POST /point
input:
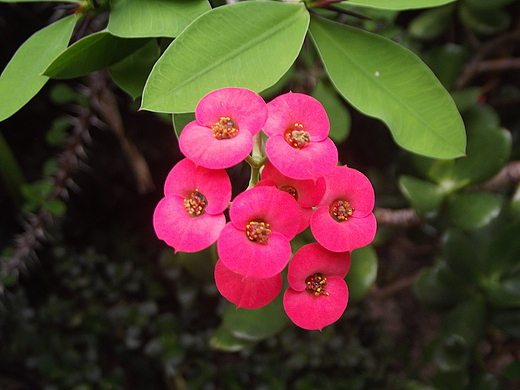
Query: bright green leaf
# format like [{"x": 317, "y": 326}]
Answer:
[
  {"x": 363, "y": 272},
  {"x": 473, "y": 210},
  {"x": 94, "y": 52},
  {"x": 399, "y": 4},
  {"x": 338, "y": 114},
  {"x": 248, "y": 44},
  {"x": 256, "y": 324},
  {"x": 34, "y": 1},
  {"x": 153, "y": 18},
  {"x": 424, "y": 196},
  {"x": 384, "y": 80},
  {"x": 131, "y": 73},
  {"x": 21, "y": 78}
]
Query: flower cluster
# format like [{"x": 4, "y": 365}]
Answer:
[{"x": 295, "y": 186}]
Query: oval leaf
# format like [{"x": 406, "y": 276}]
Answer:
[
  {"x": 207, "y": 56},
  {"x": 153, "y": 18},
  {"x": 473, "y": 210},
  {"x": 362, "y": 273},
  {"x": 21, "y": 79},
  {"x": 431, "y": 24},
  {"x": 399, "y": 4},
  {"x": 424, "y": 196},
  {"x": 384, "y": 80},
  {"x": 94, "y": 52}
]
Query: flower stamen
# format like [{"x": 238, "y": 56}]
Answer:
[
  {"x": 258, "y": 231},
  {"x": 340, "y": 210},
  {"x": 225, "y": 128},
  {"x": 290, "y": 190},
  {"x": 316, "y": 284},
  {"x": 296, "y": 136},
  {"x": 195, "y": 204}
]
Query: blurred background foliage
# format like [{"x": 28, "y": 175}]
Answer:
[{"x": 91, "y": 299}]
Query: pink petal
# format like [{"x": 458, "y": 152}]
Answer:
[
  {"x": 290, "y": 108},
  {"x": 184, "y": 233},
  {"x": 185, "y": 177},
  {"x": 314, "y": 160},
  {"x": 268, "y": 204},
  {"x": 247, "y": 109},
  {"x": 342, "y": 236},
  {"x": 253, "y": 259},
  {"x": 309, "y": 192},
  {"x": 198, "y": 144},
  {"x": 313, "y": 258},
  {"x": 351, "y": 185},
  {"x": 309, "y": 311},
  {"x": 249, "y": 293}
]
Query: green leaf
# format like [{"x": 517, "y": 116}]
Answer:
[
  {"x": 153, "y": 18},
  {"x": 338, "y": 114},
  {"x": 94, "y": 52},
  {"x": 484, "y": 21},
  {"x": 21, "y": 78},
  {"x": 34, "y": 1},
  {"x": 10, "y": 172},
  {"x": 256, "y": 324},
  {"x": 467, "y": 320},
  {"x": 515, "y": 203},
  {"x": 384, "y": 80},
  {"x": 248, "y": 44},
  {"x": 181, "y": 120},
  {"x": 461, "y": 255},
  {"x": 224, "y": 340},
  {"x": 424, "y": 196},
  {"x": 447, "y": 62},
  {"x": 431, "y": 23},
  {"x": 363, "y": 272},
  {"x": 503, "y": 253},
  {"x": 486, "y": 4},
  {"x": 131, "y": 73},
  {"x": 473, "y": 210},
  {"x": 466, "y": 98},
  {"x": 399, "y": 4}
]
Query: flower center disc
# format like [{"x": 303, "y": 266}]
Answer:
[
  {"x": 225, "y": 128},
  {"x": 195, "y": 204},
  {"x": 316, "y": 284},
  {"x": 296, "y": 136},
  {"x": 258, "y": 231},
  {"x": 290, "y": 190},
  {"x": 340, "y": 210}
]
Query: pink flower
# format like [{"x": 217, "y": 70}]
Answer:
[
  {"x": 318, "y": 294},
  {"x": 246, "y": 292},
  {"x": 298, "y": 144},
  {"x": 306, "y": 192},
  {"x": 222, "y": 134},
  {"x": 343, "y": 220},
  {"x": 190, "y": 216},
  {"x": 256, "y": 241}
]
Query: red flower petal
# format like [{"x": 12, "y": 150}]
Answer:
[
  {"x": 309, "y": 311},
  {"x": 183, "y": 232},
  {"x": 246, "y": 292},
  {"x": 253, "y": 259},
  {"x": 342, "y": 236},
  {"x": 314, "y": 160}
]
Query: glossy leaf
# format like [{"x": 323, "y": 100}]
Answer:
[
  {"x": 181, "y": 120},
  {"x": 399, "y": 4},
  {"x": 131, "y": 73},
  {"x": 431, "y": 23},
  {"x": 461, "y": 256},
  {"x": 256, "y": 324},
  {"x": 224, "y": 340},
  {"x": 153, "y": 18},
  {"x": 21, "y": 79},
  {"x": 94, "y": 52},
  {"x": 337, "y": 112},
  {"x": 447, "y": 62},
  {"x": 424, "y": 196},
  {"x": 384, "y": 80},
  {"x": 484, "y": 22},
  {"x": 207, "y": 56},
  {"x": 505, "y": 293},
  {"x": 503, "y": 253},
  {"x": 34, "y": 1},
  {"x": 473, "y": 210},
  {"x": 467, "y": 320},
  {"x": 363, "y": 272}
]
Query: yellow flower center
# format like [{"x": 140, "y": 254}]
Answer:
[
  {"x": 258, "y": 231},
  {"x": 225, "y": 128},
  {"x": 316, "y": 284},
  {"x": 195, "y": 204},
  {"x": 340, "y": 210},
  {"x": 296, "y": 136}
]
